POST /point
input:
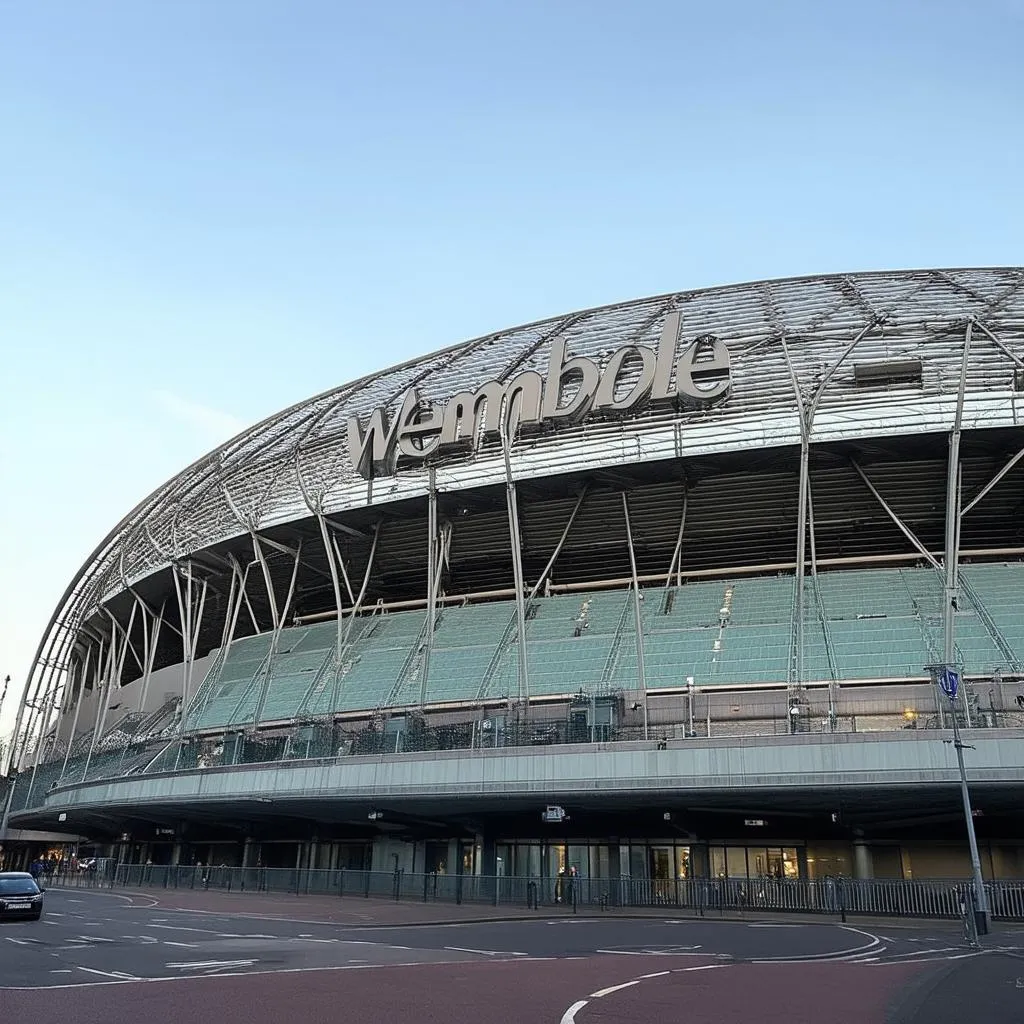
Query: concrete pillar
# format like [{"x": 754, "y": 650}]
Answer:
[
  {"x": 247, "y": 852},
  {"x": 862, "y": 865},
  {"x": 176, "y": 854}
]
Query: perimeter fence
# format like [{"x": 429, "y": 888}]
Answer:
[{"x": 931, "y": 898}]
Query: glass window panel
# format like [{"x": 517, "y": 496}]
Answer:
[
  {"x": 717, "y": 855},
  {"x": 790, "y": 863},
  {"x": 579, "y": 858},
  {"x": 638, "y": 861},
  {"x": 736, "y": 861},
  {"x": 682, "y": 862},
  {"x": 760, "y": 861}
]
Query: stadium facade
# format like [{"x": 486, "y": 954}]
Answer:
[{"x": 649, "y": 590}]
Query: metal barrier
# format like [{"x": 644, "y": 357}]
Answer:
[{"x": 932, "y": 898}]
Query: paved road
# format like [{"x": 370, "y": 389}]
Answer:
[{"x": 110, "y": 957}]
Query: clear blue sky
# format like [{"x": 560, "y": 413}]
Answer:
[{"x": 210, "y": 209}]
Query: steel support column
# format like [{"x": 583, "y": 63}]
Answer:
[
  {"x": 951, "y": 589},
  {"x": 79, "y": 675},
  {"x": 676, "y": 565},
  {"x": 900, "y": 525},
  {"x": 101, "y": 689},
  {"x": 191, "y": 623},
  {"x": 433, "y": 580},
  {"x": 807, "y": 411},
  {"x": 330, "y": 550},
  {"x": 637, "y": 616},
  {"x": 512, "y": 501},
  {"x": 558, "y": 547},
  {"x": 350, "y": 621},
  {"x": 279, "y": 625},
  {"x": 267, "y": 579},
  {"x": 992, "y": 483}
]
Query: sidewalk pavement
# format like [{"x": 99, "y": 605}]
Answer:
[{"x": 358, "y": 911}]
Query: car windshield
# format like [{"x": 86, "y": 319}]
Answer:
[{"x": 17, "y": 886}]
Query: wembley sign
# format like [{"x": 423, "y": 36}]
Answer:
[{"x": 574, "y": 388}]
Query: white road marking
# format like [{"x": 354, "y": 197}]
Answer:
[
  {"x": 839, "y": 954},
  {"x": 22, "y": 942},
  {"x": 53, "y": 913},
  {"x": 656, "y": 974},
  {"x": 482, "y": 952},
  {"x": 64, "y": 970},
  {"x": 612, "y": 988},
  {"x": 240, "y": 935},
  {"x": 199, "y": 965},
  {"x": 93, "y": 938},
  {"x": 925, "y": 952},
  {"x": 775, "y": 926},
  {"x": 930, "y": 960},
  {"x": 247, "y": 974},
  {"x": 182, "y": 928},
  {"x": 109, "y": 974},
  {"x": 184, "y": 945},
  {"x": 569, "y": 1017},
  {"x": 664, "y": 951},
  {"x": 705, "y": 967}
]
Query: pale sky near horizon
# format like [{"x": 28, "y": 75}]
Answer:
[{"x": 211, "y": 209}]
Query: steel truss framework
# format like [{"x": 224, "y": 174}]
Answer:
[{"x": 276, "y": 526}]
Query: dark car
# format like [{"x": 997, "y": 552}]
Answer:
[{"x": 20, "y": 896}]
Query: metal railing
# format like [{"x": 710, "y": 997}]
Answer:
[{"x": 932, "y": 898}]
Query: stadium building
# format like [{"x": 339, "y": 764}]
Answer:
[{"x": 650, "y": 590}]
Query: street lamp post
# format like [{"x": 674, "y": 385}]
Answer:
[{"x": 947, "y": 677}]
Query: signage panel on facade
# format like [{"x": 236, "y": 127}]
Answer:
[{"x": 574, "y": 388}]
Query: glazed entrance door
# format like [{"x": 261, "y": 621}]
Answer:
[{"x": 662, "y": 858}]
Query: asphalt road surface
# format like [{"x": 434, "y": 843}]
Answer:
[{"x": 99, "y": 956}]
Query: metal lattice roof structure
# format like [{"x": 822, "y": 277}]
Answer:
[{"x": 793, "y": 346}]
